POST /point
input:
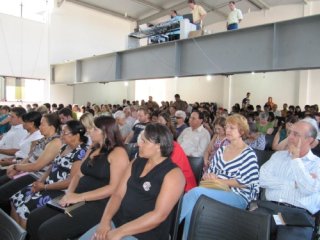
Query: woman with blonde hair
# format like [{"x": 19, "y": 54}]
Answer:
[
  {"x": 105, "y": 110},
  {"x": 97, "y": 110},
  {"x": 234, "y": 166},
  {"x": 87, "y": 121}
]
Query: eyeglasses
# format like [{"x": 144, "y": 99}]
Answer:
[
  {"x": 296, "y": 134},
  {"x": 65, "y": 133}
]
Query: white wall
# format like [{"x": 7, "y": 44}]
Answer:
[
  {"x": 191, "y": 89},
  {"x": 314, "y": 87},
  {"x": 292, "y": 87},
  {"x": 63, "y": 94},
  {"x": 112, "y": 92},
  {"x": 281, "y": 86},
  {"x": 23, "y": 47},
  {"x": 199, "y": 89},
  {"x": 77, "y": 32}
]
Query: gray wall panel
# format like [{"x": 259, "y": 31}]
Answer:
[
  {"x": 299, "y": 43},
  {"x": 64, "y": 73},
  {"x": 238, "y": 51},
  {"x": 149, "y": 62},
  {"x": 287, "y": 45},
  {"x": 99, "y": 69}
]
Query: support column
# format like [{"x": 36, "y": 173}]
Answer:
[
  {"x": 307, "y": 9},
  {"x": 18, "y": 89},
  {"x": 304, "y": 87},
  {"x": 227, "y": 91},
  {"x": 2, "y": 89}
]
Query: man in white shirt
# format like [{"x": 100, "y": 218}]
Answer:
[
  {"x": 235, "y": 16},
  {"x": 9, "y": 144},
  {"x": 195, "y": 139},
  {"x": 124, "y": 127},
  {"x": 291, "y": 180},
  {"x": 129, "y": 119}
]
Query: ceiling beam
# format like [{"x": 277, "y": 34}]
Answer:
[
  {"x": 162, "y": 13},
  {"x": 59, "y": 3},
  {"x": 216, "y": 10},
  {"x": 103, "y": 10},
  {"x": 148, "y": 4},
  {"x": 259, "y": 4}
]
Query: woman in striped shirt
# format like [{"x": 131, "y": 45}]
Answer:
[{"x": 234, "y": 166}]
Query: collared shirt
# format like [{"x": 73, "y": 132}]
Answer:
[
  {"x": 197, "y": 12},
  {"x": 293, "y": 181},
  {"x": 12, "y": 138},
  {"x": 194, "y": 142},
  {"x": 25, "y": 144},
  {"x": 234, "y": 16}
]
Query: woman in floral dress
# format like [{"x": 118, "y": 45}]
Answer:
[{"x": 57, "y": 178}]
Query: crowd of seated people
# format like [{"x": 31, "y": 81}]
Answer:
[{"x": 87, "y": 161}]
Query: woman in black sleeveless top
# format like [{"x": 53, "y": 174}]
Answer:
[
  {"x": 100, "y": 173},
  {"x": 148, "y": 192}
]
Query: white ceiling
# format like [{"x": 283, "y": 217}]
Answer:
[{"x": 152, "y": 11}]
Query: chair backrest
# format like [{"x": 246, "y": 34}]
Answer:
[
  {"x": 263, "y": 156},
  {"x": 269, "y": 141},
  {"x": 196, "y": 164},
  {"x": 175, "y": 220},
  {"x": 131, "y": 150},
  {"x": 215, "y": 221},
  {"x": 9, "y": 229},
  {"x": 316, "y": 231}
]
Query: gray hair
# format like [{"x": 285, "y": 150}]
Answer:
[
  {"x": 314, "y": 129},
  {"x": 119, "y": 114}
]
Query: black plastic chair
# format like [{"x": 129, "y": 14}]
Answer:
[
  {"x": 196, "y": 164},
  {"x": 213, "y": 220},
  {"x": 9, "y": 229},
  {"x": 316, "y": 232},
  {"x": 132, "y": 150},
  {"x": 263, "y": 156},
  {"x": 175, "y": 220},
  {"x": 269, "y": 141}
]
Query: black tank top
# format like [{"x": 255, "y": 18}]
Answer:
[
  {"x": 96, "y": 174},
  {"x": 141, "y": 196}
]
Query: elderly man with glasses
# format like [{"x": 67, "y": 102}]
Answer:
[{"x": 291, "y": 179}]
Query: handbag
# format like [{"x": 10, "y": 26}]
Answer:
[{"x": 214, "y": 185}]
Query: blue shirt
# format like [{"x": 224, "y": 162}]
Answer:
[
  {"x": 175, "y": 19},
  {"x": 4, "y": 128}
]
